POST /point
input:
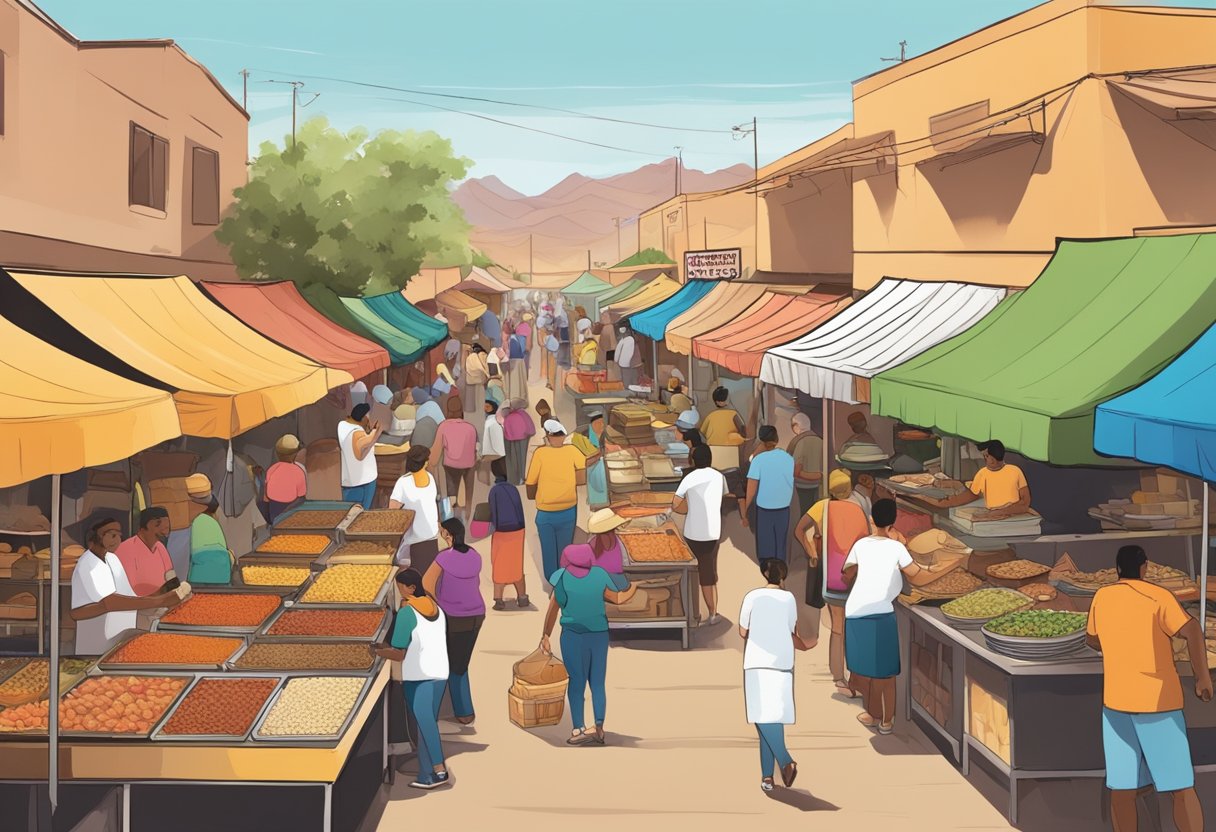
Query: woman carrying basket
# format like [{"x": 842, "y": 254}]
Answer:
[{"x": 580, "y": 591}]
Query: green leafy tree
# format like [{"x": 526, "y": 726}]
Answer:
[{"x": 349, "y": 212}]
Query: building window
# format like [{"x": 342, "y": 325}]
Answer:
[
  {"x": 149, "y": 168},
  {"x": 205, "y": 186}
]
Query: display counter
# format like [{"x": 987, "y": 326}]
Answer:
[
  {"x": 665, "y": 600},
  {"x": 1001, "y": 719}
]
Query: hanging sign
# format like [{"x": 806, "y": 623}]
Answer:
[{"x": 715, "y": 264}]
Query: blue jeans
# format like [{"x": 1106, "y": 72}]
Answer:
[
  {"x": 361, "y": 494},
  {"x": 422, "y": 699},
  {"x": 772, "y": 747},
  {"x": 772, "y": 530},
  {"x": 586, "y": 658},
  {"x": 556, "y": 530}
]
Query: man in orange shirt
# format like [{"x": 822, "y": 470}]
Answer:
[
  {"x": 1002, "y": 486},
  {"x": 1143, "y": 730}
]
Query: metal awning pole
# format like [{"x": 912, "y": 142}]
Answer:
[
  {"x": 654, "y": 352},
  {"x": 1203, "y": 561},
  {"x": 53, "y": 693}
]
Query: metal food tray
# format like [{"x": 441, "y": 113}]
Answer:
[
  {"x": 231, "y": 667},
  {"x": 230, "y": 739},
  {"x": 380, "y": 600},
  {"x": 263, "y": 633},
  {"x": 349, "y": 534},
  {"x": 35, "y": 732},
  {"x": 105, "y": 666},
  {"x": 629, "y": 561},
  {"x": 255, "y": 555},
  {"x": 352, "y": 510},
  {"x": 111, "y": 735},
  {"x": 21, "y": 662},
  {"x": 160, "y": 626},
  {"x": 311, "y": 740}
]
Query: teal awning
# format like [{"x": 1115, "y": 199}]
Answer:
[
  {"x": 404, "y": 330},
  {"x": 653, "y": 322},
  {"x": 630, "y": 287},
  {"x": 1102, "y": 318},
  {"x": 587, "y": 284}
]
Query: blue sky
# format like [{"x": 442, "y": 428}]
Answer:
[{"x": 705, "y": 64}]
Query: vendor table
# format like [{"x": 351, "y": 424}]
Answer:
[
  {"x": 1035, "y": 704},
  {"x": 641, "y": 571},
  {"x": 205, "y": 787}
]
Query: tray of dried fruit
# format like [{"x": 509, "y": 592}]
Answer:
[
  {"x": 87, "y": 710},
  {"x": 215, "y": 611},
  {"x": 316, "y": 516},
  {"x": 379, "y": 552},
  {"x": 977, "y": 608},
  {"x": 171, "y": 652},
  {"x": 218, "y": 709},
  {"x": 317, "y": 623},
  {"x": 303, "y": 656},
  {"x": 380, "y": 524},
  {"x": 660, "y": 546},
  {"x": 27, "y": 690},
  {"x": 312, "y": 710},
  {"x": 303, "y": 546},
  {"x": 264, "y": 573},
  {"x": 953, "y": 584},
  {"x": 1015, "y": 573},
  {"x": 347, "y": 586}
]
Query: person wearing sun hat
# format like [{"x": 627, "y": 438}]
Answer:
[
  {"x": 554, "y": 474},
  {"x": 286, "y": 480},
  {"x": 210, "y": 560},
  {"x": 581, "y": 588}
]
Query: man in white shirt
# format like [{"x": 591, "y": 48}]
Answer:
[
  {"x": 416, "y": 491},
  {"x": 357, "y": 443},
  {"x": 874, "y": 571},
  {"x": 699, "y": 497},
  {"x": 103, "y": 604},
  {"x": 627, "y": 357}
]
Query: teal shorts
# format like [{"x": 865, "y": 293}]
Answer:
[{"x": 1147, "y": 749}]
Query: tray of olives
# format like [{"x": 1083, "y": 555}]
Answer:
[
  {"x": 978, "y": 608},
  {"x": 1036, "y": 634}
]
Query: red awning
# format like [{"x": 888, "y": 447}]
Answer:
[
  {"x": 279, "y": 311},
  {"x": 740, "y": 345}
]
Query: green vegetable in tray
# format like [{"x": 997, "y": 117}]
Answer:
[
  {"x": 1037, "y": 624},
  {"x": 985, "y": 603}
]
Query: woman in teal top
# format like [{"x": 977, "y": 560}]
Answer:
[
  {"x": 580, "y": 590},
  {"x": 597, "y": 472},
  {"x": 210, "y": 562}
]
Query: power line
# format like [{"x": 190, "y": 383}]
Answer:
[{"x": 483, "y": 100}]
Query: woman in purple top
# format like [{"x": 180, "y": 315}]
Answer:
[
  {"x": 454, "y": 580},
  {"x": 603, "y": 546}
]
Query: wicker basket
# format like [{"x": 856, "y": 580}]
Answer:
[{"x": 535, "y": 706}]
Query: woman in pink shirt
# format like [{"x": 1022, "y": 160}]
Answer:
[
  {"x": 286, "y": 481},
  {"x": 517, "y": 429},
  {"x": 455, "y": 448}
]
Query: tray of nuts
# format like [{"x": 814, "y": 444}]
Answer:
[
  {"x": 171, "y": 652},
  {"x": 312, "y": 710},
  {"x": 655, "y": 547},
  {"x": 220, "y": 612},
  {"x": 348, "y": 585},
  {"x": 1015, "y": 573},
  {"x": 380, "y": 524},
  {"x": 271, "y": 575},
  {"x": 297, "y": 545},
  {"x": 301, "y": 655},
  {"x": 217, "y": 709},
  {"x": 362, "y": 551},
  {"x": 327, "y": 624},
  {"x": 314, "y": 518}
]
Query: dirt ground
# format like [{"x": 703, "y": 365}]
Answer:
[{"x": 680, "y": 750}]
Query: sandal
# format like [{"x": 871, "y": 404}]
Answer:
[
  {"x": 581, "y": 738},
  {"x": 867, "y": 720},
  {"x": 766, "y": 785},
  {"x": 842, "y": 687},
  {"x": 598, "y": 736}
]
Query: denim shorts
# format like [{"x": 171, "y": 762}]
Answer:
[{"x": 1146, "y": 749}]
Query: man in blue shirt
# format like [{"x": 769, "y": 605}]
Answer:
[{"x": 770, "y": 489}]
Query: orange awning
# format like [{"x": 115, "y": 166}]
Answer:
[
  {"x": 728, "y": 301},
  {"x": 778, "y": 319}
]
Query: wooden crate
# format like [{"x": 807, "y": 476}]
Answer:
[{"x": 535, "y": 713}]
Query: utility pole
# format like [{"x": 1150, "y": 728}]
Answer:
[
  {"x": 679, "y": 164},
  {"x": 638, "y": 220},
  {"x": 617, "y": 221},
  {"x": 741, "y": 130},
  {"x": 705, "y": 233},
  {"x": 295, "y": 99},
  {"x": 588, "y": 259},
  {"x": 245, "y": 90},
  {"x": 530, "y": 273}
]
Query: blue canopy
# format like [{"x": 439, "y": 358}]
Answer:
[
  {"x": 1169, "y": 420},
  {"x": 653, "y": 322}
]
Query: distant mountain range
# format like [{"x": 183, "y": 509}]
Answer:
[{"x": 575, "y": 215}]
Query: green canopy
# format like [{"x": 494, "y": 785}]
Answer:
[
  {"x": 630, "y": 287},
  {"x": 587, "y": 284},
  {"x": 1102, "y": 318},
  {"x": 404, "y": 330}
]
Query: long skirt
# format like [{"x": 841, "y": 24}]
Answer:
[
  {"x": 516, "y": 381},
  {"x": 507, "y": 556},
  {"x": 517, "y": 460},
  {"x": 871, "y": 645}
]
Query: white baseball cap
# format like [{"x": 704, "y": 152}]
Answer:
[{"x": 554, "y": 427}]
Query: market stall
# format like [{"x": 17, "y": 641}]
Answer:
[
  {"x": 661, "y": 564},
  {"x": 279, "y": 311},
  {"x": 652, "y": 294},
  {"x": 585, "y": 291},
  {"x": 460, "y": 310}
]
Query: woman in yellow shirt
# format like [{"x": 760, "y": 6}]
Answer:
[
  {"x": 723, "y": 425},
  {"x": 1002, "y": 486}
]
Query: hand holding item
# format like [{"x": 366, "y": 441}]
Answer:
[
  {"x": 1203, "y": 688},
  {"x": 544, "y": 645}
]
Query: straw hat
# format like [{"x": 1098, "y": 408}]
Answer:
[
  {"x": 604, "y": 520},
  {"x": 287, "y": 444}
]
